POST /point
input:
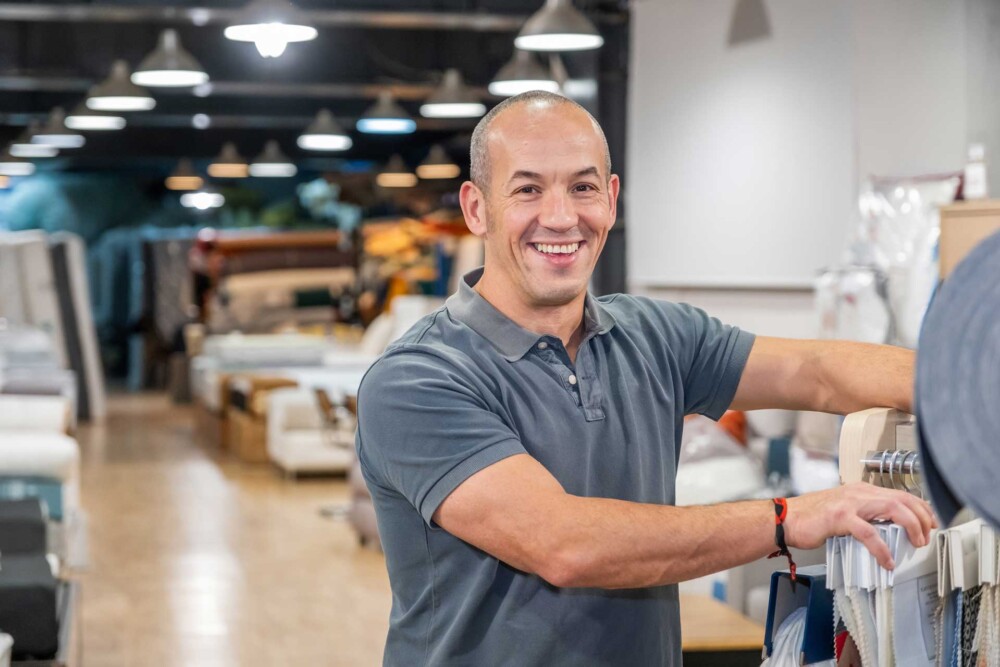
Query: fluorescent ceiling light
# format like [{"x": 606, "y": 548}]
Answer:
[
  {"x": 452, "y": 99},
  {"x": 169, "y": 65},
  {"x": 386, "y": 117},
  {"x": 521, "y": 74},
  {"x": 396, "y": 174},
  {"x": 229, "y": 164},
  {"x": 55, "y": 133},
  {"x": 437, "y": 165},
  {"x": 558, "y": 26},
  {"x": 84, "y": 118},
  {"x": 118, "y": 93},
  {"x": 324, "y": 134},
  {"x": 272, "y": 163},
  {"x": 271, "y": 25}
]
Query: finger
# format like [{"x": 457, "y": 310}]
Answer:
[
  {"x": 923, "y": 512},
  {"x": 867, "y": 534},
  {"x": 898, "y": 511}
]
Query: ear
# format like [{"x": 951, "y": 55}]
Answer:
[
  {"x": 473, "y": 202},
  {"x": 614, "y": 185}
]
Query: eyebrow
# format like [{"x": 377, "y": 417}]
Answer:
[{"x": 535, "y": 176}]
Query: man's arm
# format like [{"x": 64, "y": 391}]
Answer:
[
  {"x": 825, "y": 376},
  {"x": 518, "y": 512}
]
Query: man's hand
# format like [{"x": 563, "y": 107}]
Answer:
[{"x": 847, "y": 510}]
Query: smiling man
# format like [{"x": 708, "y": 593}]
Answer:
[{"x": 521, "y": 443}]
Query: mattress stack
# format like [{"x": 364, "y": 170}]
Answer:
[
  {"x": 44, "y": 288},
  {"x": 39, "y": 458}
]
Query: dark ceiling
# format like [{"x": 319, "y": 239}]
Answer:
[{"x": 51, "y": 53}]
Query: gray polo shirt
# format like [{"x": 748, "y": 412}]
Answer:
[{"x": 467, "y": 387}]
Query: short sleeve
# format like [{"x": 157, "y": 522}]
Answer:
[
  {"x": 425, "y": 426},
  {"x": 716, "y": 355}
]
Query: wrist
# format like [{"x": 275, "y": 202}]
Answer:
[{"x": 780, "y": 508}]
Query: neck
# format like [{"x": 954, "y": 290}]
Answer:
[{"x": 564, "y": 321}]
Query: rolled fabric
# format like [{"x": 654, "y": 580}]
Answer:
[{"x": 957, "y": 395}]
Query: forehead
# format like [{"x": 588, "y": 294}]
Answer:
[{"x": 543, "y": 139}]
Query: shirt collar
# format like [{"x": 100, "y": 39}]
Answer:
[{"x": 467, "y": 306}]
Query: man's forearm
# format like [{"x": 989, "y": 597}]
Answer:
[
  {"x": 607, "y": 543},
  {"x": 857, "y": 376}
]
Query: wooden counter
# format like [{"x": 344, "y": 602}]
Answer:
[{"x": 710, "y": 625}]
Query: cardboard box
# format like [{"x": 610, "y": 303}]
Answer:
[{"x": 963, "y": 226}]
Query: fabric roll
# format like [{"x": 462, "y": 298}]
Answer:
[
  {"x": 970, "y": 622},
  {"x": 958, "y": 388}
]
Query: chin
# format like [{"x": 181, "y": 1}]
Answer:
[{"x": 559, "y": 296}]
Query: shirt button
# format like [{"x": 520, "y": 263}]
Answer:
[
  {"x": 572, "y": 379},
  {"x": 543, "y": 345}
]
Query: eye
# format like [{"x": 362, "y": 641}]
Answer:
[
  {"x": 584, "y": 187},
  {"x": 527, "y": 189}
]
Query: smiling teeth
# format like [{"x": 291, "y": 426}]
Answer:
[{"x": 552, "y": 249}]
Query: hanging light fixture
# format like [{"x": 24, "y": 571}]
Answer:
[
  {"x": 204, "y": 199},
  {"x": 558, "y": 26},
  {"x": 118, "y": 93},
  {"x": 437, "y": 165},
  {"x": 270, "y": 25},
  {"x": 84, "y": 118},
  {"x": 184, "y": 177},
  {"x": 169, "y": 65},
  {"x": 24, "y": 148},
  {"x": 229, "y": 164},
  {"x": 453, "y": 99},
  {"x": 396, "y": 174},
  {"x": 386, "y": 117},
  {"x": 272, "y": 163},
  {"x": 55, "y": 133},
  {"x": 324, "y": 134},
  {"x": 14, "y": 166},
  {"x": 522, "y": 73}
]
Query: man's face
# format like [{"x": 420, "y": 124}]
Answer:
[{"x": 550, "y": 204}]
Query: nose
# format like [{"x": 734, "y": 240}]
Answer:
[{"x": 558, "y": 212}]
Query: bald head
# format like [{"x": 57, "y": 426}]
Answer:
[{"x": 539, "y": 100}]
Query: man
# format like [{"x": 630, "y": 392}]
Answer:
[{"x": 520, "y": 444}]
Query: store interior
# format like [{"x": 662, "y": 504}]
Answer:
[{"x": 216, "y": 216}]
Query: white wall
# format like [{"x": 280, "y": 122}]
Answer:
[
  {"x": 786, "y": 313},
  {"x": 983, "y": 82},
  {"x": 909, "y": 72},
  {"x": 740, "y": 160},
  {"x": 746, "y": 156}
]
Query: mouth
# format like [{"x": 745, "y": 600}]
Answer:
[
  {"x": 558, "y": 255},
  {"x": 557, "y": 248}
]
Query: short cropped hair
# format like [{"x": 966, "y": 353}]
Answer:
[{"x": 480, "y": 167}]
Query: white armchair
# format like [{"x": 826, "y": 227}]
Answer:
[{"x": 297, "y": 440}]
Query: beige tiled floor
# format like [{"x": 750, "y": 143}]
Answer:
[{"x": 197, "y": 560}]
